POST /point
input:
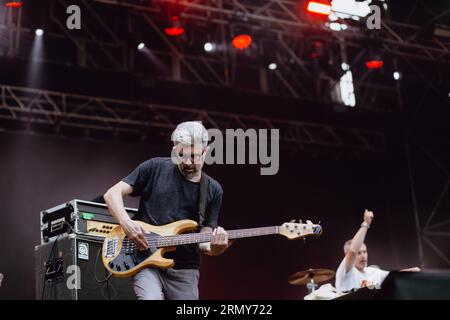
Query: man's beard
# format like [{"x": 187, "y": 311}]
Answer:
[{"x": 189, "y": 170}]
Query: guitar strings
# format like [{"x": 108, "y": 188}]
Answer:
[
  {"x": 209, "y": 234},
  {"x": 172, "y": 240}
]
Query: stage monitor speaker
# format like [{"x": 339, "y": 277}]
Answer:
[{"x": 71, "y": 268}]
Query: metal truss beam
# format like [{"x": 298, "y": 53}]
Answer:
[
  {"x": 58, "y": 110},
  {"x": 277, "y": 16},
  {"x": 429, "y": 228},
  {"x": 103, "y": 46},
  {"x": 92, "y": 35}
]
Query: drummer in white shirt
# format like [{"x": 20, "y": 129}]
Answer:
[{"x": 353, "y": 272}]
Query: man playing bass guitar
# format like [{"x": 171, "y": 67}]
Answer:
[{"x": 169, "y": 190}]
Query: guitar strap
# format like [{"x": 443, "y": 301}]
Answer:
[{"x": 204, "y": 182}]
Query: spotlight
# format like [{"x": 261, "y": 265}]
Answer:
[
  {"x": 319, "y": 8},
  {"x": 141, "y": 46},
  {"x": 242, "y": 41},
  {"x": 374, "y": 57},
  {"x": 175, "y": 28},
  {"x": 174, "y": 24},
  {"x": 397, "y": 75},
  {"x": 272, "y": 66},
  {"x": 373, "y": 60},
  {"x": 374, "y": 64},
  {"x": 13, "y": 4},
  {"x": 39, "y": 32},
  {"x": 208, "y": 47},
  {"x": 174, "y": 31},
  {"x": 335, "y": 26},
  {"x": 316, "y": 48}
]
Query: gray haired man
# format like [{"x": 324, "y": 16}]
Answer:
[{"x": 169, "y": 190}]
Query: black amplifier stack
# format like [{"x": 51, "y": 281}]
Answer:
[{"x": 68, "y": 262}]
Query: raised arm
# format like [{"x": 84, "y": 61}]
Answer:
[{"x": 358, "y": 240}]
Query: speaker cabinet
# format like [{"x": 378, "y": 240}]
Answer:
[{"x": 71, "y": 268}]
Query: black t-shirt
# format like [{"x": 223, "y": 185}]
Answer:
[{"x": 167, "y": 196}]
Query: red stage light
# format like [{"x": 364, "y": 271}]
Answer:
[
  {"x": 242, "y": 41},
  {"x": 374, "y": 64},
  {"x": 319, "y": 8},
  {"x": 174, "y": 31},
  {"x": 13, "y": 4},
  {"x": 317, "y": 48}
]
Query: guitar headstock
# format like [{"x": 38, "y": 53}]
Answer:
[{"x": 293, "y": 230}]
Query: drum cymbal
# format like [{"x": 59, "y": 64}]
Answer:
[{"x": 318, "y": 275}]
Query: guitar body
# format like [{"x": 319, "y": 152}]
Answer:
[{"x": 122, "y": 260}]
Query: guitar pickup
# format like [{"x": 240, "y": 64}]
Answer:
[{"x": 110, "y": 247}]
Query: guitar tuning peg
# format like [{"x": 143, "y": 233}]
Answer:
[
  {"x": 319, "y": 222},
  {"x": 292, "y": 221},
  {"x": 300, "y": 221}
]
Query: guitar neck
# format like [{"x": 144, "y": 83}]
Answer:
[{"x": 190, "y": 238}]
